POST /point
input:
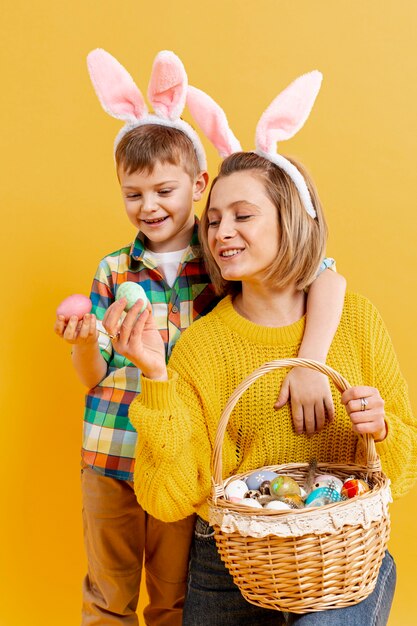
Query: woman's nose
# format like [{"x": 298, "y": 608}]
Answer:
[{"x": 226, "y": 230}]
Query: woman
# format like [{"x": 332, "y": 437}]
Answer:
[{"x": 263, "y": 251}]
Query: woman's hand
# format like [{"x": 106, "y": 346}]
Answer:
[
  {"x": 137, "y": 338},
  {"x": 77, "y": 332},
  {"x": 311, "y": 399},
  {"x": 365, "y": 408}
]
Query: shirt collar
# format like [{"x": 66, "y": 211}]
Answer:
[{"x": 138, "y": 247}]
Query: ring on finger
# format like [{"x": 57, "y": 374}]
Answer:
[
  {"x": 114, "y": 337},
  {"x": 364, "y": 404}
]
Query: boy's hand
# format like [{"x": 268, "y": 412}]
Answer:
[
  {"x": 77, "y": 332},
  {"x": 365, "y": 408},
  {"x": 311, "y": 399},
  {"x": 137, "y": 338}
]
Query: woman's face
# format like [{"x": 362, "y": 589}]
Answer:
[{"x": 242, "y": 227}]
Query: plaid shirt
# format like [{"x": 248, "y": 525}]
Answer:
[{"x": 109, "y": 438}]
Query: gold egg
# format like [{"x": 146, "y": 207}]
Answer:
[{"x": 285, "y": 486}]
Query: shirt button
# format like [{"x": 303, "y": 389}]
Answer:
[{"x": 175, "y": 309}]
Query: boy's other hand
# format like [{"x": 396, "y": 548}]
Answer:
[
  {"x": 310, "y": 397},
  {"x": 137, "y": 338},
  {"x": 75, "y": 331}
]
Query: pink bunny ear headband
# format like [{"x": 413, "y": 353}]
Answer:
[
  {"x": 121, "y": 98},
  {"x": 282, "y": 120}
]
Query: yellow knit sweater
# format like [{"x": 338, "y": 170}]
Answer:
[{"x": 176, "y": 420}]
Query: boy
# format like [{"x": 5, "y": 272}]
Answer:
[
  {"x": 161, "y": 171},
  {"x": 166, "y": 260}
]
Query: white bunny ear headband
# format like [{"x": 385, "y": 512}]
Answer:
[
  {"x": 282, "y": 120},
  {"x": 121, "y": 98}
]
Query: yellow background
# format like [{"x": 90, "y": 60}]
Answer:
[{"x": 61, "y": 212}]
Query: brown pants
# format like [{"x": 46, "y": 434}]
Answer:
[{"x": 119, "y": 538}]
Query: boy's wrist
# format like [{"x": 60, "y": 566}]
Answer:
[
  {"x": 157, "y": 376},
  {"x": 86, "y": 348},
  {"x": 314, "y": 355}
]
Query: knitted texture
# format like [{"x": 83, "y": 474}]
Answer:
[{"x": 176, "y": 420}]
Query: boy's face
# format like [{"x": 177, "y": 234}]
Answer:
[{"x": 160, "y": 204}]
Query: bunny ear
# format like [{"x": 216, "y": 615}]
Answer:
[
  {"x": 115, "y": 88},
  {"x": 168, "y": 85},
  {"x": 213, "y": 122},
  {"x": 287, "y": 113}
]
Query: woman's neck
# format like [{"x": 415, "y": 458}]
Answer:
[{"x": 268, "y": 307}]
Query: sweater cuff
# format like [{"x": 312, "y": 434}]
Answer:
[{"x": 159, "y": 394}]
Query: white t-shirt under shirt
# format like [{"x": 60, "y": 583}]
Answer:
[{"x": 168, "y": 263}]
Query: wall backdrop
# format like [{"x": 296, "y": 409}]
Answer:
[{"x": 62, "y": 212}]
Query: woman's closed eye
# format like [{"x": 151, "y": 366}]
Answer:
[{"x": 238, "y": 218}]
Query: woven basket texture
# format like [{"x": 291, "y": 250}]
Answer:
[{"x": 304, "y": 572}]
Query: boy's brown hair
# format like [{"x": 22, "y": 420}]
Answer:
[
  {"x": 302, "y": 239},
  {"x": 143, "y": 146}
]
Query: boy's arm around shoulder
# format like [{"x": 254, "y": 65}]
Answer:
[
  {"x": 309, "y": 391},
  {"x": 324, "y": 309}
]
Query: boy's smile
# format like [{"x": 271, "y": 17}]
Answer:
[{"x": 160, "y": 204}]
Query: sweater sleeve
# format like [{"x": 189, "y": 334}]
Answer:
[
  {"x": 398, "y": 452},
  {"x": 173, "y": 451}
]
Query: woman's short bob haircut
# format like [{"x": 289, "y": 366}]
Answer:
[
  {"x": 142, "y": 147},
  {"x": 302, "y": 239}
]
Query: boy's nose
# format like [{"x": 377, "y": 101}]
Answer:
[{"x": 149, "y": 204}]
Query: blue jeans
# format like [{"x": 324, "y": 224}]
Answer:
[{"x": 214, "y": 600}]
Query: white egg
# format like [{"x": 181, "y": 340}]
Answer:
[
  {"x": 277, "y": 505},
  {"x": 254, "y": 504},
  {"x": 236, "y": 489}
]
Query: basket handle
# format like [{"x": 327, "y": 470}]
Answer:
[{"x": 372, "y": 458}]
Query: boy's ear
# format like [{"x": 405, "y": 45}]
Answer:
[{"x": 200, "y": 185}]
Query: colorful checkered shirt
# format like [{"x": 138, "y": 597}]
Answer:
[{"x": 109, "y": 439}]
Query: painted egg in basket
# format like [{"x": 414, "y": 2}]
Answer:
[
  {"x": 322, "y": 496},
  {"x": 255, "y": 479}
]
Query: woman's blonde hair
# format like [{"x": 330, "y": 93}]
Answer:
[{"x": 302, "y": 239}]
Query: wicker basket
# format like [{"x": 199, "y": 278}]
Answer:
[{"x": 309, "y": 559}]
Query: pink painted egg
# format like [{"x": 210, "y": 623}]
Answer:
[{"x": 77, "y": 304}]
